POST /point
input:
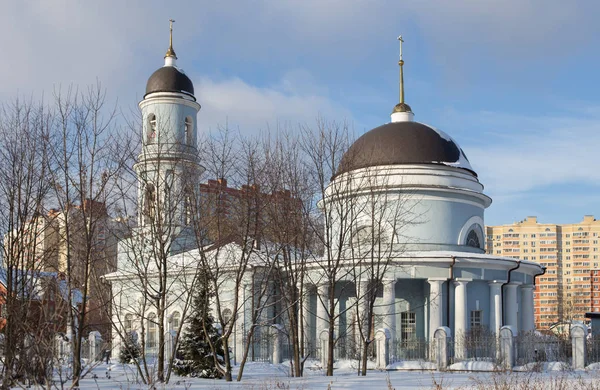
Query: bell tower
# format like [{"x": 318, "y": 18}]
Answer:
[{"x": 168, "y": 170}]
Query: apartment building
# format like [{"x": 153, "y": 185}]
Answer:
[
  {"x": 570, "y": 286},
  {"x": 42, "y": 247}
]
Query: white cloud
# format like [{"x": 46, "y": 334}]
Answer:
[
  {"x": 517, "y": 154},
  {"x": 291, "y": 102}
]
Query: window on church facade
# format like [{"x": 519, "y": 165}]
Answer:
[
  {"x": 473, "y": 239},
  {"x": 151, "y": 341},
  {"x": 189, "y": 128},
  {"x": 408, "y": 325},
  {"x": 149, "y": 202},
  {"x": 175, "y": 321},
  {"x": 151, "y": 138},
  {"x": 476, "y": 319},
  {"x": 128, "y": 323},
  {"x": 227, "y": 314}
]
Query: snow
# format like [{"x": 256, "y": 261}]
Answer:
[
  {"x": 462, "y": 162},
  {"x": 544, "y": 366},
  {"x": 469, "y": 365},
  {"x": 412, "y": 365},
  {"x": 269, "y": 376}
]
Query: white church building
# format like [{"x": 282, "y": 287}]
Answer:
[{"x": 438, "y": 273}]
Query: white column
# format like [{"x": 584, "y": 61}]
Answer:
[
  {"x": 305, "y": 314},
  {"x": 363, "y": 299},
  {"x": 527, "y": 314},
  {"x": 510, "y": 305},
  {"x": 435, "y": 305},
  {"x": 389, "y": 309},
  {"x": 244, "y": 318},
  {"x": 460, "y": 316},
  {"x": 322, "y": 307},
  {"x": 495, "y": 305}
]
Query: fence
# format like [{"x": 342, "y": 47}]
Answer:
[
  {"x": 263, "y": 344},
  {"x": 478, "y": 344},
  {"x": 533, "y": 347},
  {"x": 593, "y": 349},
  {"x": 412, "y": 349}
]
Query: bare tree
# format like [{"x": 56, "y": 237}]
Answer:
[
  {"x": 289, "y": 232},
  {"x": 84, "y": 164},
  {"x": 230, "y": 236},
  {"x": 29, "y": 235},
  {"x": 156, "y": 271},
  {"x": 376, "y": 240},
  {"x": 323, "y": 147}
]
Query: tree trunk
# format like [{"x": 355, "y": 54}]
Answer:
[
  {"x": 76, "y": 342},
  {"x": 365, "y": 353},
  {"x": 227, "y": 359},
  {"x": 246, "y": 351},
  {"x": 296, "y": 359},
  {"x": 331, "y": 340},
  {"x": 161, "y": 346}
]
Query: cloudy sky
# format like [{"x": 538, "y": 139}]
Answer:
[{"x": 513, "y": 81}]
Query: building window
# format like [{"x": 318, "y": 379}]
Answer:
[
  {"x": 189, "y": 130},
  {"x": 175, "y": 321},
  {"x": 227, "y": 314},
  {"x": 476, "y": 319},
  {"x": 128, "y": 323},
  {"x": 151, "y": 138},
  {"x": 473, "y": 239},
  {"x": 152, "y": 334},
  {"x": 150, "y": 202},
  {"x": 408, "y": 324}
]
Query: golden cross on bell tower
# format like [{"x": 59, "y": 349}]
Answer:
[{"x": 170, "y": 51}]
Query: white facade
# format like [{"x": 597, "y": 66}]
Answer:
[{"x": 427, "y": 217}]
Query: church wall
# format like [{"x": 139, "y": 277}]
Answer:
[
  {"x": 478, "y": 298},
  {"x": 170, "y": 123},
  {"x": 439, "y": 223},
  {"x": 410, "y": 296}
]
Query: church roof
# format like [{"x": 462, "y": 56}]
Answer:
[
  {"x": 169, "y": 79},
  {"x": 403, "y": 142}
]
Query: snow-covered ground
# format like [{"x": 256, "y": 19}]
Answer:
[{"x": 267, "y": 376}]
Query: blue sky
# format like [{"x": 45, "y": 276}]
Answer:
[{"x": 514, "y": 82}]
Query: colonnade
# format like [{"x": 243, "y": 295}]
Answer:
[{"x": 435, "y": 317}]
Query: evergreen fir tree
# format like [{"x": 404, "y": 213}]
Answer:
[
  {"x": 131, "y": 349},
  {"x": 194, "y": 353}
]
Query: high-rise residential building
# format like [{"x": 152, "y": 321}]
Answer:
[{"x": 570, "y": 287}]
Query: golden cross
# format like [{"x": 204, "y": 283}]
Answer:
[
  {"x": 171, "y": 21},
  {"x": 401, "y": 40}
]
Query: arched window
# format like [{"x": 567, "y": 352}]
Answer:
[
  {"x": 149, "y": 201},
  {"x": 227, "y": 315},
  {"x": 151, "y": 138},
  {"x": 189, "y": 130},
  {"x": 547, "y": 229},
  {"x": 128, "y": 323},
  {"x": 151, "y": 340},
  {"x": 175, "y": 321},
  {"x": 473, "y": 239},
  {"x": 188, "y": 204}
]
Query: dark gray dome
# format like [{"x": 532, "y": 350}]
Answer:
[
  {"x": 169, "y": 79},
  {"x": 403, "y": 143}
]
